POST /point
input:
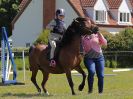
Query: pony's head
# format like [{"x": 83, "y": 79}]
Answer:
[{"x": 78, "y": 27}]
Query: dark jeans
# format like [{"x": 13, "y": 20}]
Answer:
[{"x": 92, "y": 65}]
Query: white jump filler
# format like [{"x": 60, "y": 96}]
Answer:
[{"x": 7, "y": 60}]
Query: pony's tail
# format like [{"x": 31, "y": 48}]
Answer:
[{"x": 30, "y": 49}]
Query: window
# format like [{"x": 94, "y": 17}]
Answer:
[
  {"x": 27, "y": 44},
  {"x": 100, "y": 16},
  {"x": 124, "y": 17}
]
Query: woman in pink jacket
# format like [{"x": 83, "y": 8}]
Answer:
[{"x": 94, "y": 59}]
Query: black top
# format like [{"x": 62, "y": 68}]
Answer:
[{"x": 59, "y": 28}]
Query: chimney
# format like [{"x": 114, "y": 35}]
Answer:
[{"x": 48, "y": 11}]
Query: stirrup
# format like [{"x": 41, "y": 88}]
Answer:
[{"x": 52, "y": 63}]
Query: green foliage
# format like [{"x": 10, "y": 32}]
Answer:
[
  {"x": 8, "y": 10},
  {"x": 110, "y": 63},
  {"x": 120, "y": 41},
  {"x": 115, "y": 87},
  {"x": 19, "y": 63},
  {"x": 82, "y": 64},
  {"x": 109, "y": 38},
  {"x": 43, "y": 37},
  {"x": 107, "y": 63},
  {"x": 127, "y": 35},
  {"x": 113, "y": 64}
]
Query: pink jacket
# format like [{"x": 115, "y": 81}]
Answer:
[{"x": 93, "y": 41}]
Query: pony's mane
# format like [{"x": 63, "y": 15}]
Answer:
[
  {"x": 68, "y": 36},
  {"x": 75, "y": 29}
]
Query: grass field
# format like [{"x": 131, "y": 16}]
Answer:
[{"x": 119, "y": 86}]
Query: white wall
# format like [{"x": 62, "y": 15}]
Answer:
[
  {"x": 69, "y": 11},
  {"x": 124, "y": 7},
  {"x": 100, "y": 5},
  {"x": 112, "y": 30},
  {"x": 29, "y": 24}
]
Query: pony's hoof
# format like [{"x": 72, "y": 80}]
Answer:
[
  {"x": 81, "y": 87},
  {"x": 39, "y": 91},
  {"x": 73, "y": 94},
  {"x": 47, "y": 93}
]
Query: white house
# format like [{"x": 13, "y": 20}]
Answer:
[
  {"x": 36, "y": 14},
  {"x": 29, "y": 24},
  {"x": 110, "y": 15}
]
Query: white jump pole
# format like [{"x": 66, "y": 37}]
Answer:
[
  {"x": 121, "y": 70},
  {"x": 23, "y": 63},
  {"x": 9, "y": 66}
]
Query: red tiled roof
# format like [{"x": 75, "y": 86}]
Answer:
[
  {"x": 111, "y": 20},
  {"x": 88, "y": 3},
  {"x": 22, "y": 4},
  {"x": 114, "y": 4}
]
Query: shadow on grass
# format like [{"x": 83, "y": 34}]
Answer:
[
  {"x": 18, "y": 83},
  {"x": 24, "y": 95}
]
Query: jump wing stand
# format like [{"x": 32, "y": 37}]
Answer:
[{"x": 7, "y": 60}]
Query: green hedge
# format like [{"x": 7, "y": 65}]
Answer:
[
  {"x": 43, "y": 37},
  {"x": 122, "y": 41}
]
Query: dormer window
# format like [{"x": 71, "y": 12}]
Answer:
[
  {"x": 100, "y": 16},
  {"x": 124, "y": 17}
]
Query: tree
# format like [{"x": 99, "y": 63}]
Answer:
[{"x": 8, "y": 10}]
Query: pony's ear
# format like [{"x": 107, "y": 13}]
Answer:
[{"x": 75, "y": 20}]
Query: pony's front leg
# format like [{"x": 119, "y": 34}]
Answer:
[
  {"x": 80, "y": 70},
  {"x": 69, "y": 78}
]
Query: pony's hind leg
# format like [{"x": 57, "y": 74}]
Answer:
[
  {"x": 80, "y": 70},
  {"x": 45, "y": 78},
  {"x": 33, "y": 79}
]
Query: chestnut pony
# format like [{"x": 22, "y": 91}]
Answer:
[{"x": 68, "y": 57}]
